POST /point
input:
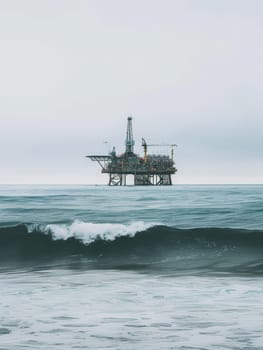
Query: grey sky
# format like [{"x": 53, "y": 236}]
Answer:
[{"x": 190, "y": 72}]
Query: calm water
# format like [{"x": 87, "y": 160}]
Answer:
[{"x": 93, "y": 267}]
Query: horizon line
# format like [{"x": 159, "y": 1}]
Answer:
[{"x": 94, "y": 184}]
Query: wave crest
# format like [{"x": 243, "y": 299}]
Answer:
[{"x": 88, "y": 232}]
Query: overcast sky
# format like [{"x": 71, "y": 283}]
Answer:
[{"x": 189, "y": 72}]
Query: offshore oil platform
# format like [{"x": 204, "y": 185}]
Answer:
[{"x": 151, "y": 169}]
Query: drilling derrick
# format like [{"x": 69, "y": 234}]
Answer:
[
  {"x": 151, "y": 169},
  {"x": 129, "y": 143}
]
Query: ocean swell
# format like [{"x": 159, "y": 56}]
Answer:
[{"x": 137, "y": 244}]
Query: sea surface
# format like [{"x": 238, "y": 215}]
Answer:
[{"x": 96, "y": 267}]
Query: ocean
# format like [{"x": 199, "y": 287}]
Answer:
[{"x": 96, "y": 267}]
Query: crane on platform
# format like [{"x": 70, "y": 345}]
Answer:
[{"x": 145, "y": 148}]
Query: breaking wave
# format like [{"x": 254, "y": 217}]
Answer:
[
  {"x": 135, "y": 246},
  {"x": 88, "y": 232}
]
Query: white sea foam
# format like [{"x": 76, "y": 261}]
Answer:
[{"x": 88, "y": 232}]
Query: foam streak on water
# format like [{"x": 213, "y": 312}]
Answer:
[{"x": 60, "y": 309}]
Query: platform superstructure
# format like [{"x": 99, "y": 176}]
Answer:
[{"x": 151, "y": 169}]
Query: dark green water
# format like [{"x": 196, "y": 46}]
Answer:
[{"x": 125, "y": 268}]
